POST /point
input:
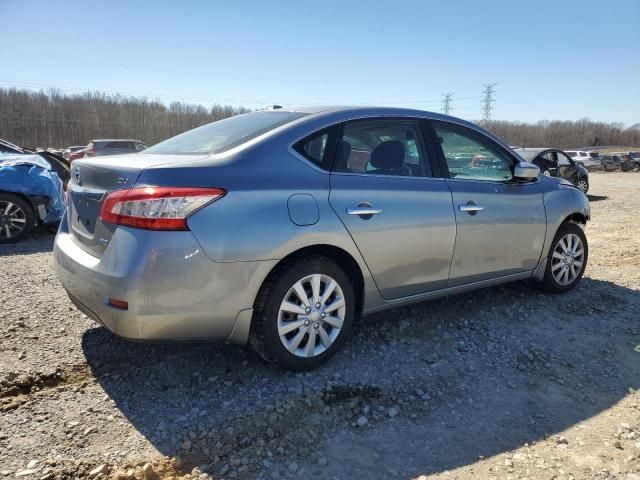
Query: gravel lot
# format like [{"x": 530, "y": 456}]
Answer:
[{"x": 506, "y": 382}]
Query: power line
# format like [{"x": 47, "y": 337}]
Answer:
[
  {"x": 446, "y": 103},
  {"x": 488, "y": 100}
]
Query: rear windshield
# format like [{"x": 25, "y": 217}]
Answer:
[{"x": 224, "y": 134}]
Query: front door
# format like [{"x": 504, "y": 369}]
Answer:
[
  {"x": 501, "y": 223},
  {"x": 400, "y": 217}
]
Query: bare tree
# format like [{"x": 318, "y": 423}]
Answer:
[{"x": 53, "y": 119}]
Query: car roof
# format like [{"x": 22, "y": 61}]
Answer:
[
  {"x": 358, "y": 109},
  {"x": 117, "y": 140},
  {"x": 534, "y": 149}
]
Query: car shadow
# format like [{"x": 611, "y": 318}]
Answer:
[
  {"x": 504, "y": 366},
  {"x": 596, "y": 198},
  {"x": 38, "y": 241}
]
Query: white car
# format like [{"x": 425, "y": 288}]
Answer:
[{"x": 589, "y": 160}]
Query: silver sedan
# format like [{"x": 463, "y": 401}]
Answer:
[{"x": 280, "y": 227}]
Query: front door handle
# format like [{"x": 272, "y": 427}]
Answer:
[
  {"x": 471, "y": 208},
  {"x": 363, "y": 211}
]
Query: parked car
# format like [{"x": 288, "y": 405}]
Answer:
[
  {"x": 99, "y": 148},
  {"x": 556, "y": 163},
  {"x": 31, "y": 194},
  {"x": 589, "y": 160},
  {"x": 611, "y": 163},
  {"x": 269, "y": 227},
  {"x": 627, "y": 162},
  {"x": 66, "y": 153}
]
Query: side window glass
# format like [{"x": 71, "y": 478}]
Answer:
[
  {"x": 563, "y": 161},
  {"x": 548, "y": 157},
  {"x": 314, "y": 148},
  {"x": 470, "y": 158},
  {"x": 383, "y": 147}
]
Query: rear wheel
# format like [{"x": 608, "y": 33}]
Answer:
[
  {"x": 567, "y": 259},
  {"x": 16, "y": 218},
  {"x": 303, "y": 314}
]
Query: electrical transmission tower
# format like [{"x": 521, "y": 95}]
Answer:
[
  {"x": 488, "y": 100},
  {"x": 446, "y": 103}
]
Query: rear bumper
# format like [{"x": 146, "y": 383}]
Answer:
[{"x": 173, "y": 290}]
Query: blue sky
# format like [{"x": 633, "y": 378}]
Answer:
[{"x": 551, "y": 59}]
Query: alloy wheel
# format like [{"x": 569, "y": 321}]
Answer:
[
  {"x": 311, "y": 315},
  {"x": 583, "y": 185},
  {"x": 567, "y": 259},
  {"x": 13, "y": 220}
]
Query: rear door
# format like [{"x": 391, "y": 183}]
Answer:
[
  {"x": 399, "y": 213},
  {"x": 501, "y": 222}
]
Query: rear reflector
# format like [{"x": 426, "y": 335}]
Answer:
[
  {"x": 121, "y": 304},
  {"x": 156, "y": 208}
]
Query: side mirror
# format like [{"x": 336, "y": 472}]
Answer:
[{"x": 526, "y": 171}]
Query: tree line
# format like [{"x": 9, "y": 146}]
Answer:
[
  {"x": 52, "y": 119},
  {"x": 565, "y": 135}
]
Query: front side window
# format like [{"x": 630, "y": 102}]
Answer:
[
  {"x": 383, "y": 147},
  {"x": 470, "y": 158},
  {"x": 225, "y": 134}
]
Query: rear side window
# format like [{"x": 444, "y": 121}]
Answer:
[
  {"x": 390, "y": 146},
  {"x": 223, "y": 135}
]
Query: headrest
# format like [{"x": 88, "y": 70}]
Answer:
[
  {"x": 388, "y": 155},
  {"x": 345, "y": 149}
]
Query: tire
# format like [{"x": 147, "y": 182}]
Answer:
[
  {"x": 636, "y": 167},
  {"x": 583, "y": 185},
  {"x": 552, "y": 280},
  {"x": 270, "y": 321},
  {"x": 16, "y": 218}
]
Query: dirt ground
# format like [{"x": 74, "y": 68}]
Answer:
[{"x": 504, "y": 383}]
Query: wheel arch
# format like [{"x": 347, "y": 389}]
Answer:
[
  {"x": 343, "y": 258},
  {"x": 576, "y": 217},
  {"x": 24, "y": 197}
]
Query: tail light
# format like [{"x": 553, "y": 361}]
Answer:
[{"x": 157, "y": 208}]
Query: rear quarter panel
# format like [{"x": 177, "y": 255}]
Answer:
[{"x": 252, "y": 222}]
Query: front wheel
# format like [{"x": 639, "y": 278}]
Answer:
[
  {"x": 567, "y": 259},
  {"x": 303, "y": 314},
  {"x": 583, "y": 185}
]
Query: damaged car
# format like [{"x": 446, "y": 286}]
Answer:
[{"x": 31, "y": 195}]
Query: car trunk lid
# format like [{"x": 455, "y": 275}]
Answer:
[{"x": 92, "y": 179}]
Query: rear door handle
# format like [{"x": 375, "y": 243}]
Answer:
[
  {"x": 471, "y": 208},
  {"x": 363, "y": 211}
]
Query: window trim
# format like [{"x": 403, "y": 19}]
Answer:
[
  {"x": 423, "y": 145},
  {"x": 480, "y": 138}
]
